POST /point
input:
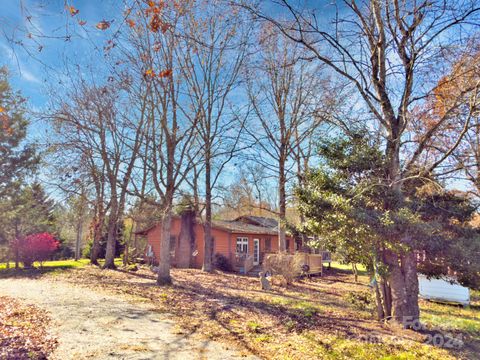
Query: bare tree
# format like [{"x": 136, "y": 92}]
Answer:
[
  {"x": 77, "y": 172},
  {"x": 154, "y": 51},
  {"x": 216, "y": 44},
  {"x": 96, "y": 116},
  {"x": 285, "y": 94},
  {"x": 392, "y": 53}
]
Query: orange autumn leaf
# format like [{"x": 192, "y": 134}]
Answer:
[
  {"x": 131, "y": 23},
  {"x": 166, "y": 73},
  {"x": 72, "y": 10},
  {"x": 155, "y": 23},
  {"x": 82, "y": 22},
  {"x": 103, "y": 25},
  {"x": 150, "y": 73},
  {"x": 151, "y": 3},
  {"x": 2, "y": 109}
]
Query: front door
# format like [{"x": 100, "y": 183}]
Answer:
[{"x": 256, "y": 251}]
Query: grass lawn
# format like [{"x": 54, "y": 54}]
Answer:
[
  {"x": 327, "y": 317},
  {"x": 318, "y": 318},
  {"x": 62, "y": 264},
  {"x": 47, "y": 267}
]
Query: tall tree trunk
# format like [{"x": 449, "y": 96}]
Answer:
[
  {"x": 398, "y": 290},
  {"x": 409, "y": 264},
  {"x": 17, "y": 239},
  {"x": 163, "y": 277},
  {"x": 79, "y": 239},
  {"x": 111, "y": 241},
  {"x": 208, "y": 246},
  {"x": 355, "y": 271},
  {"x": 97, "y": 234},
  {"x": 402, "y": 277},
  {"x": 112, "y": 232},
  {"x": 378, "y": 298},
  {"x": 186, "y": 239},
  {"x": 282, "y": 243},
  {"x": 98, "y": 223}
]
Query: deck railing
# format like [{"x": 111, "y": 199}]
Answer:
[
  {"x": 243, "y": 262},
  {"x": 248, "y": 264}
]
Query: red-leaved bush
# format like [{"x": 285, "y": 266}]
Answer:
[{"x": 35, "y": 247}]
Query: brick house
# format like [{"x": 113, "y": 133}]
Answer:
[{"x": 244, "y": 242}]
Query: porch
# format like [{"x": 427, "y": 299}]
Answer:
[{"x": 244, "y": 262}]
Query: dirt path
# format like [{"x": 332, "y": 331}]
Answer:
[{"x": 92, "y": 325}]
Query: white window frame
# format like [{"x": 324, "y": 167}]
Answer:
[{"x": 242, "y": 245}]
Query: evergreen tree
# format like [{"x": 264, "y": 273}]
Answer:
[
  {"x": 346, "y": 200},
  {"x": 27, "y": 212},
  {"x": 17, "y": 158}
]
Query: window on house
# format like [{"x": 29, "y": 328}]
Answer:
[
  {"x": 268, "y": 245},
  {"x": 287, "y": 244},
  {"x": 242, "y": 245}
]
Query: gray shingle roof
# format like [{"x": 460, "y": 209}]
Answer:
[
  {"x": 258, "y": 220},
  {"x": 243, "y": 228},
  {"x": 263, "y": 226}
]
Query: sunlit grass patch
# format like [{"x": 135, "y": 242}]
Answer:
[
  {"x": 451, "y": 317},
  {"x": 53, "y": 264},
  {"x": 347, "y": 267},
  {"x": 370, "y": 347},
  {"x": 65, "y": 264}
]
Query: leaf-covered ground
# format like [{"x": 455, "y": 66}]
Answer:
[
  {"x": 326, "y": 318},
  {"x": 24, "y": 331}
]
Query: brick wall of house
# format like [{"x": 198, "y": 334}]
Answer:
[{"x": 224, "y": 242}]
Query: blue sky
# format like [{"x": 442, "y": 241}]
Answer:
[
  {"x": 48, "y": 23},
  {"x": 35, "y": 72}
]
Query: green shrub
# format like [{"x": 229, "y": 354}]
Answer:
[
  {"x": 221, "y": 262},
  {"x": 87, "y": 250}
]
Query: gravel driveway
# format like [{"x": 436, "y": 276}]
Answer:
[{"x": 92, "y": 325}]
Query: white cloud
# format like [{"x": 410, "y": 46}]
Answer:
[
  {"x": 28, "y": 76},
  {"x": 15, "y": 63}
]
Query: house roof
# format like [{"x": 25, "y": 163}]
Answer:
[
  {"x": 258, "y": 220},
  {"x": 239, "y": 226},
  {"x": 145, "y": 231},
  {"x": 243, "y": 228}
]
